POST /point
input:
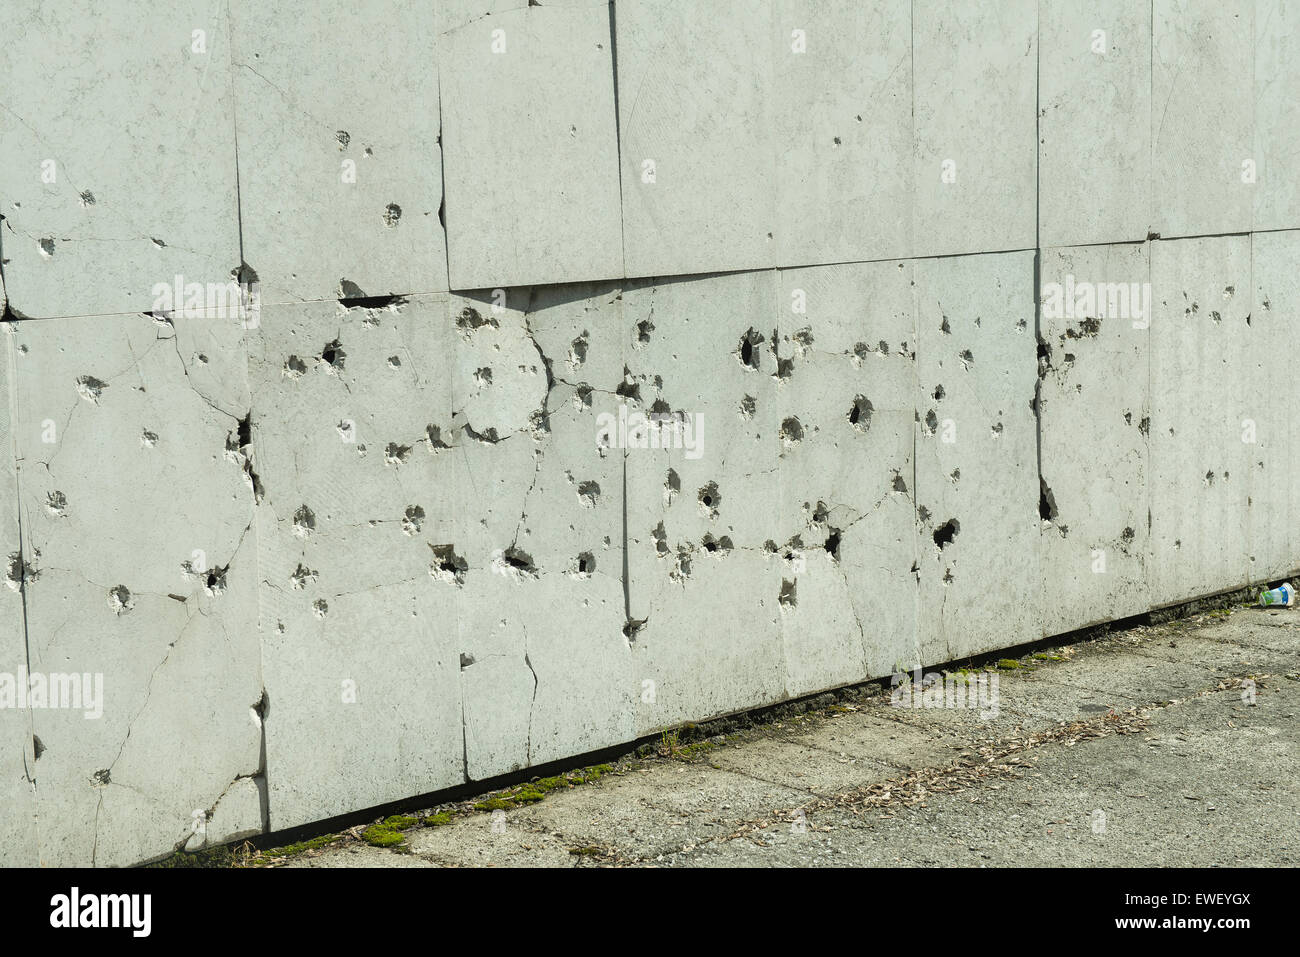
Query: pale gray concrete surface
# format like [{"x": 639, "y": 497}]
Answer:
[{"x": 1140, "y": 748}]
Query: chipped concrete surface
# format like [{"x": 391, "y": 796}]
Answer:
[
  {"x": 1085, "y": 765},
  {"x": 392, "y": 400}
]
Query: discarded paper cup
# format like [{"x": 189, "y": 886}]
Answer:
[{"x": 1282, "y": 595}]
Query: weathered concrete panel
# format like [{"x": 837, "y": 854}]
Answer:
[
  {"x": 1202, "y": 116},
  {"x": 698, "y": 158},
  {"x": 1277, "y": 90},
  {"x": 1204, "y": 357},
  {"x": 846, "y": 512},
  {"x": 117, "y": 161},
  {"x": 531, "y": 148},
  {"x": 1094, "y": 406},
  {"x": 1094, "y": 181},
  {"x": 976, "y": 469},
  {"x": 137, "y": 514},
  {"x": 842, "y": 130},
  {"x": 351, "y": 413},
  {"x": 975, "y": 165},
  {"x": 339, "y": 151},
  {"x": 1272, "y": 401}
]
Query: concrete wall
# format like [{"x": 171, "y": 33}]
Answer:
[{"x": 371, "y": 535}]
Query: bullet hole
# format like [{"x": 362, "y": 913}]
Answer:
[
  {"x": 320, "y": 608},
  {"x": 56, "y": 502},
  {"x": 1046, "y": 502},
  {"x": 672, "y": 485},
  {"x": 434, "y": 435},
  {"x": 395, "y": 454},
  {"x": 582, "y": 397},
  {"x": 791, "y": 432},
  {"x": 967, "y": 358},
  {"x": 215, "y": 583},
  {"x": 955, "y": 476},
  {"x": 102, "y": 778},
  {"x": 1209, "y": 479},
  {"x": 710, "y": 499},
  {"x": 304, "y": 521},
  {"x": 715, "y": 545},
  {"x": 860, "y": 413},
  {"x": 466, "y": 661},
  {"x": 784, "y": 367},
  {"x": 660, "y": 536},
  {"x": 748, "y": 406},
  {"x": 899, "y": 485},
  {"x": 158, "y": 243},
  {"x": 883, "y": 347},
  {"x": 1088, "y": 328},
  {"x": 487, "y": 436},
  {"x": 302, "y": 577},
  {"x": 682, "y": 567},
  {"x": 1128, "y": 535},
  {"x": 90, "y": 388},
  {"x": 629, "y": 388},
  {"x": 788, "y": 597},
  {"x": 944, "y": 327},
  {"x": 643, "y": 330},
  {"x": 586, "y": 565},
  {"x": 1247, "y": 318},
  {"x": 1044, "y": 357},
  {"x": 860, "y": 352},
  {"x": 632, "y": 627},
  {"x": 1145, "y": 425},
  {"x": 836, "y": 141},
  {"x": 748, "y": 350},
  {"x": 947, "y": 576},
  {"x": 470, "y": 319},
  {"x": 47, "y": 247},
  {"x": 997, "y": 429},
  {"x": 1128, "y": 418},
  {"x": 923, "y": 514},
  {"x": 392, "y": 215},
  {"x": 87, "y": 198},
  {"x": 333, "y": 355},
  {"x": 931, "y": 423},
  {"x": 518, "y": 562},
  {"x": 38, "y": 747},
  {"x": 820, "y": 513},
  {"x": 447, "y": 566},
  {"x": 832, "y": 545},
  {"x": 578, "y": 350},
  {"x": 413, "y": 519},
  {"x": 343, "y": 138},
  {"x": 394, "y": 362},
  {"x": 294, "y": 367},
  {"x": 945, "y": 533},
  {"x": 803, "y": 341},
  {"x": 939, "y": 393},
  {"x": 588, "y": 492},
  {"x": 119, "y": 600}
]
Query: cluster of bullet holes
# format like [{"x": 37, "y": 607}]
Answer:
[
  {"x": 660, "y": 536},
  {"x": 471, "y": 319},
  {"x": 717, "y": 546},
  {"x": 395, "y": 454},
  {"x": 710, "y": 500},
  {"x": 860, "y": 413},
  {"x": 946, "y": 533},
  {"x": 447, "y": 566}
]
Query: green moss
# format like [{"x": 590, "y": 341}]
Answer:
[
  {"x": 401, "y": 821},
  {"x": 1009, "y": 664},
  {"x": 585, "y": 851},
  {"x": 437, "y": 820},
  {"x": 494, "y": 804},
  {"x": 382, "y": 835}
]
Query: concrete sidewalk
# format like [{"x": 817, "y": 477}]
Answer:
[{"x": 1138, "y": 748}]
